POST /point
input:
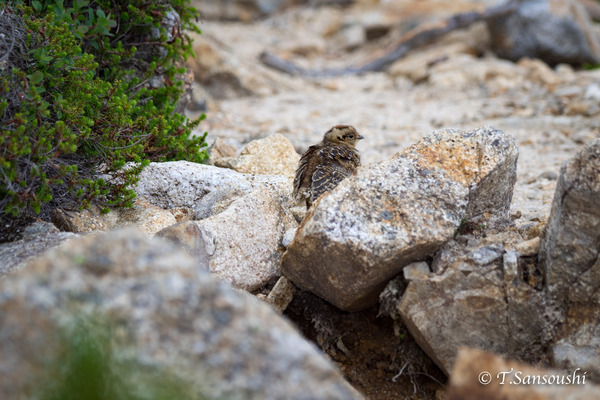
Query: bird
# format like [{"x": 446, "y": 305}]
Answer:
[{"x": 324, "y": 165}]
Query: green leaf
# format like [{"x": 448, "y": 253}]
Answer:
[
  {"x": 82, "y": 29},
  {"x": 35, "y": 78},
  {"x": 78, "y": 4},
  {"x": 100, "y": 14},
  {"x": 37, "y": 5}
]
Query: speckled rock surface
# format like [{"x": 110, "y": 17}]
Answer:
[
  {"x": 273, "y": 155},
  {"x": 144, "y": 216},
  {"x": 245, "y": 239},
  {"x": 571, "y": 247},
  {"x": 37, "y": 239},
  {"x": 483, "y": 375},
  {"x": 165, "y": 315},
  {"x": 570, "y": 260},
  {"x": 183, "y": 184},
  {"x": 241, "y": 218},
  {"x": 387, "y": 215}
]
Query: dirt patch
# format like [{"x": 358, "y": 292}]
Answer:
[{"x": 376, "y": 354}]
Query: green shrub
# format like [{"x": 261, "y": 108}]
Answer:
[{"x": 86, "y": 88}]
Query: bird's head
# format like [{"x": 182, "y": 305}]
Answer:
[{"x": 342, "y": 134}]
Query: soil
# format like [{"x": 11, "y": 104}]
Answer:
[{"x": 376, "y": 354}]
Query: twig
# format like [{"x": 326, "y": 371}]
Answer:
[{"x": 414, "y": 39}]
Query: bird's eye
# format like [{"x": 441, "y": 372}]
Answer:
[{"x": 350, "y": 136}]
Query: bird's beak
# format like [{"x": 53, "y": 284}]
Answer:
[{"x": 360, "y": 137}]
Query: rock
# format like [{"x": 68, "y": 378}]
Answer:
[
  {"x": 282, "y": 294},
  {"x": 288, "y": 236},
  {"x": 37, "y": 239},
  {"x": 183, "y": 184},
  {"x": 350, "y": 37},
  {"x": 166, "y": 319},
  {"x": 570, "y": 250},
  {"x": 215, "y": 202},
  {"x": 224, "y": 75},
  {"x": 486, "y": 255},
  {"x": 477, "y": 297},
  {"x": 482, "y": 375},
  {"x": 540, "y": 72},
  {"x": 243, "y": 217},
  {"x": 570, "y": 261},
  {"x": 219, "y": 79},
  {"x": 550, "y": 175},
  {"x": 247, "y": 238},
  {"x": 472, "y": 305},
  {"x": 416, "y": 66},
  {"x": 581, "y": 348},
  {"x": 242, "y": 10},
  {"x": 143, "y": 215},
  {"x": 146, "y": 217},
  {"x": 465, "y": 71},
  {"x": 555, "y": 31},
  {"x": 221, "y": 149},
  {"x": 196, "y": 243},
  {"x": 529, "y": 247},
  {"x": 416, "y": 271},
  {"x": 273, "y": 155},
  {"x": 388, "y": 215},
  {"x": 88, "y": 220},
  {"x": 593, "y": 92}
]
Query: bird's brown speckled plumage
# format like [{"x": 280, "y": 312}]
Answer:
[{"x": 326, "y": 164}]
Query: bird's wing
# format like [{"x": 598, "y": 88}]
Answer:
[
  {"x": 302, "y": 170},
  {"x": 326, "y": 177}
]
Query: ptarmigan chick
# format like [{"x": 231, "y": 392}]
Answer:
[{"x": 326, "y": 164}]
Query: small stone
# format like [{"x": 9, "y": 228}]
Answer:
[
  {"x": 88, "y": 220},
  {"x": 190, "y": 238},
  {"x": 550, "y": 175},
  {"x": 288, "y": 236},
  {"x": 514, "y": 215},
  {"x": 273, "y": 155},
  {"x": 486, "y": 255},
  {"x": 183, "y": 184},
  {"x": 38, "y": 238},
  {"x": 146, "y": 217},
  {"x": 511, "y": 267},
  {"x": 593, "y": 92},
  {"x": 416, "y": 271},
  {"x": 282, "y": 294},
  {"x": 221, "y": 149},
  {"x": 247, "y": 238},
  {"x": 528, "y": 248}
]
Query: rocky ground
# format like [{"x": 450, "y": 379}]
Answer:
[
  {"x": 456, "y": 82},
  {"x": 479, "y": 285}
]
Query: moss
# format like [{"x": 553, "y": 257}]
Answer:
[{"x": 88, "y": 88}]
